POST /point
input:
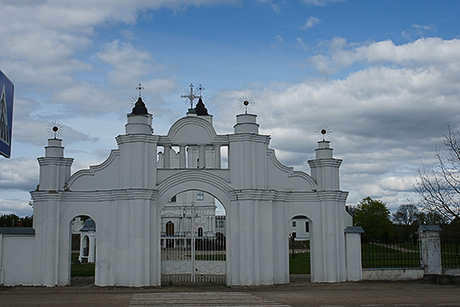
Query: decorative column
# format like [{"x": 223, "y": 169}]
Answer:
[
  {"x": 167, "y": 156},
  {"x": 217, "y": 158},
  {"x": 202, "y": 156},
  {"x": 329, "y": 254},
  {"x": 182, "y": 156},
  {"x": 54, "y": 173},
  {"x": 138, "y": 149}
]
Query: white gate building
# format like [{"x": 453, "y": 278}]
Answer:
[{"x": 125, "y": 196}]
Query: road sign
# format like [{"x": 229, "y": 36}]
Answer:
[{"x": 6, "y": 114}]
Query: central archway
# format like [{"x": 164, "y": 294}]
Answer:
[{"x": 192, "y": 239}]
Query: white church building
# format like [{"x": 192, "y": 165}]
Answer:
[{"x": 155, "y": 197}]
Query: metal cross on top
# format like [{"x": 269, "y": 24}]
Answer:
[
  {"x": 140, "y": 88},
  {"x": 191, "y": 96}
]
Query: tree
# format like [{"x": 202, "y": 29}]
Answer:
[
  {"x": 431, "y": 218},
  {"x": 439, "y": 187},
  {"x": 405, "y": 215},
  {"x": 12, "y": 220},
  {"x": 374, "y": 217}
]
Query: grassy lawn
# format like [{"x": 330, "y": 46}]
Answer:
[
  {"x": 450, "y": 254},
  {"x": 386, "y": 256},
  {"x": 219, "y": 257},
  {"x": 81, "y": 269},
  {"x": 300, "y": 264}
]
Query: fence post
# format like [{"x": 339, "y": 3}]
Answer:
[
  {"x": 353, "y": 253},
  {"x": 430, "y": 249}
]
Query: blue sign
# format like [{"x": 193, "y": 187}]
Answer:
[{"x": 6, "y": 114}]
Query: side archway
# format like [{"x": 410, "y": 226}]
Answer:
[
  {"x": 300, "y": 245},
  {"x": 82, "y": 247}
]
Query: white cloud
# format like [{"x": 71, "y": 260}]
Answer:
[
  {"x": 279, "y": 41},
  {"x": 15, "y": 206},
  {"x": 129, "y": 64},
  {"x": 399, "y": 183},
  {"x": 275, "y": 5},
  {"x": 310, "y": 23},
  {"x": 425, "y": 52},
  {"x": 301, "y": 44},
  {"x": 19, "y": 173},
  {"x": 321, "y": 2}
]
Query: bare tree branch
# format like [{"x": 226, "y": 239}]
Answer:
[{"x": 439, "y": 188}]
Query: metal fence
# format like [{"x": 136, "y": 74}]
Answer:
[
  {"x": 390, "y": 254},
  {"x": 450, "y": 251}
]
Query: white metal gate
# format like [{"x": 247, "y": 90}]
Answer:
[{"x": 191, "y": 248}]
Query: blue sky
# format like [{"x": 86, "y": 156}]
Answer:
[{"x": 383, "y": 75}]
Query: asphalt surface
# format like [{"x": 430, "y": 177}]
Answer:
[{"x": 298, "y": 293}]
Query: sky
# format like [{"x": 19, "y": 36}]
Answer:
[{"x": 382, "y": 76}]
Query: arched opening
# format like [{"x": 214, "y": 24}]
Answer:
[
  {"x": 299, "y": 245},
  {"x": 83, "y": 248},
  {"x": 193, "y": 243}
]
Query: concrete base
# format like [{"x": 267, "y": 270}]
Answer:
[{"x": 393, "y": 274}]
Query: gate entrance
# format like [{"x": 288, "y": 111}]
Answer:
[{"x": 193, "y": 244}]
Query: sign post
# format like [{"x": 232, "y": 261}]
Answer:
[{"x": 6, "y": 114}]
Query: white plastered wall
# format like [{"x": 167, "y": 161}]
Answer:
[{"x": 126, "y": 193}]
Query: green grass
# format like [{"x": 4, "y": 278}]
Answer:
[
  {"x": 219, "y": 257},
  {"x": 450, "y": 254},
  {"x": 375, "y": 256},
  {"x": 300, "y": 264},
  {"x": 78, "y": 269}
]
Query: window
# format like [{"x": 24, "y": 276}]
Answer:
[
  {"x": 294, "y": 224},
  {"x": 220, "y": 223},
  {"x": 307, "y": 227},
  {"x": 200, "y": 231},
  {"x": 169, "y": 228},
  {"x": 173, "y": 199},
  {"x": 200, "y": 195}
]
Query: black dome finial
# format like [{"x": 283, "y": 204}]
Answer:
[
  {"x": 200, "y": 108},
  {"x": 139, "y": 107}
]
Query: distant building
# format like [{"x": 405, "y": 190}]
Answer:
[{"x": 300, "y": 227}]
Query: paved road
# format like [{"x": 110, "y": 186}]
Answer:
[{"x": 298, "y": 293}]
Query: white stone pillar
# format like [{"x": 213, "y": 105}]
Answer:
[
  {"x": 353, "y": 253},
  {"x": 430, "y": 248},
  {"x": 91, "y": 247},
  {"x": 82, "y": 248}
]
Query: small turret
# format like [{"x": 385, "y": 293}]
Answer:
[
  {"x": 54, "y": 168},
  {"x": 246, "y": 123},
  {"x": 325, "y": 169},
  {"x": 139, "y": 120}
]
